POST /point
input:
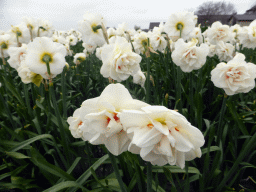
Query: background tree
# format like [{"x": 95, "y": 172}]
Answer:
[
  {"x": 136, "y": 27},
  {"x": 252, "y": 10},
  {"x": 216, "y": 8}
]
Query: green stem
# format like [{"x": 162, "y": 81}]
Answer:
[
  {"x": 222, "y": 112},
  {"x": 117, "y": 173},
  {"x": 250, "y": 145},
  {"x": 191, "y": 93},
  {"x": 59, "y": 118},
  {"x": 178, "y": 90},
  {"x": 149, "y": 177},
  {"x": 148, "y": 82},
  {"x": 27, "y": 100},
  {"x": 63, "y": 86}
]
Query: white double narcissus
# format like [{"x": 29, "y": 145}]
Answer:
[
  {"x": 219, "y": 32},
  {"x": 188, "y": 56},
  {"x": 236, "y": 76},
  {"x": 119, "y": 62},
  {"x": 162, "y": 136},
  {"x": 100, "y": 118}
]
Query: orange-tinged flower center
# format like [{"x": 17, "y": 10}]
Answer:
[{"x": 115, "y": 117}]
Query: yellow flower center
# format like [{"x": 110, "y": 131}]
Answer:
[
  {"x": 179, "y": 26},
  {"x": 95, "y": 27},
  {"x": 3, "y": 46},
  {"x": 46, "y": 58}
]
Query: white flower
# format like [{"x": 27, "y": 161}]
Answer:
[
  {"x": 236, "y": 76},
  {"x": 119, "y": 62},
  {"x": 219, "y": 32},
  {"x": 90, "y": 48},
  {"x": 162, "y": 136},
  {"x": 22, "y": 31},
  {"x": 140, "y": 42},
  {"x": 247, "y": 36},
  {"x": 59, "y": 39},
  {"x": 158, "y": 41},
  {"x": 188, "y": 56},
  {"x": 46, "y": 29},
  {"x": 79, "y": 57},
  {"x": 71, "y": 39},
  {"x": 91, "y": 34},
  {"x": 196, "y": 33},
  {"x": 77, "y": 124},
  {"x": 139, "y": 78},
  {"x": 100, "y": 116},
  {"x": 111, "y": 32},
  {"x": 32, "y": 24},
  {"x": 5, "y": 43},
  {"x": 17, "y": 54},
  {"x": 43, "y": 47},
  {"x": 224, "y": 51},
  {"x": 181, "y": 23},
  {"x": 25, "y": 74},
  {"x": 235, "y": 30}
]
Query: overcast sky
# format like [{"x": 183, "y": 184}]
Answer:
[{"x": 65, "y": 14}]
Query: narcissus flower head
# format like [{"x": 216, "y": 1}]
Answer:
[
  {"x": 236, "y": 76},
  {"x": 43, "y": 50}
]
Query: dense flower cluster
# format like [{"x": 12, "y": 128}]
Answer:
[{"x": 158, "y": 134}]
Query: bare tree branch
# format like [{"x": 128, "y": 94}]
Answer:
[{"x": 216, "y": 8}]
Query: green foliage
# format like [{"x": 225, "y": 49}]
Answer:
[{"x": 39, "y": 153}]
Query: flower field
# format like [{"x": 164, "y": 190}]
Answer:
[{"x": 104, "y": 109}]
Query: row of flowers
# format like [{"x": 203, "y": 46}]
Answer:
[{"x": 158, "y": 134}]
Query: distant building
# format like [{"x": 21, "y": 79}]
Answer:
[
  {"x": 242, "y": 20},
  {"x": 208, "y": 20}
]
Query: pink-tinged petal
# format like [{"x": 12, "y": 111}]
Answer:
[
  {"x": 97, "y": 139},
  {"x": 171, "y": 140},
  {"x": 89, "y": 106},
  {"x": 161, "y": 128},
  {"x": 115, "y": 94},
  {"x": 155, "y": 110},
  {"x": 146, "y": 137},
  {"x": 113, "y": 128},
  {"x": 192, "y": 154},
  {"x": 150, "y": 157},
  {"x": 182, "y": 144},
  {"x": 180, "y": 159},
  {"x": 105, "y": 105},
  {"x": 133, "y": 118},
  {"x": 134, "y": 148},
  {"x": 133, "y": 105},
  {"x": 117, "y": 143},
  {"x": 146, "y": 150},
  {"x": 112, "y": 144},
  {"x": 161, "y": 161},
  {"x": 164, "y": 146}
]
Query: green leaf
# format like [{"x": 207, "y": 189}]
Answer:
[
  {"x": 64, "y": 185},
  {"x": 48, "y": 167},
  {"x": 81, "y": 180},
  {"x": 27, "y": 142},
  {"x": 175, "y": 169},
  {"x": 14, "y": 91},
  {"x": 212, "y": 148},
  {"x": 17, "y": 155}
]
